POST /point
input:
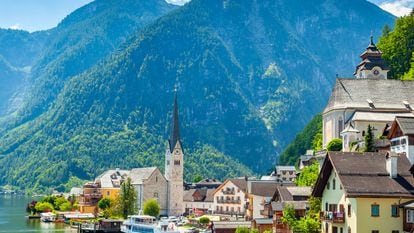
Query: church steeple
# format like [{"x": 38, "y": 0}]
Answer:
[
  {"x": 175, "y": 127},
  {"x": 372, "y": 64}
]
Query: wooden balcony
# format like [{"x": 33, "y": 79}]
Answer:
[{"x": 335, "y": 217}]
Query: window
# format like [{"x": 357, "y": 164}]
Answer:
[
  {"x": 328, "y": 185},
  {"x": 326, "y": 206},
  {"x": 349, "y": 210},
  {"x": 395, "y": 211},
  {"x": 349, "y": 229},
  {"x": 108, "y": 193},
  {"x": 156, "y": 195},
  {"x": 375, "y": 210},
  {"x": 394, "y": 231},
  {"x": 156, "y": 179},
  {"x": 410, "y": 216},
  {"x": 375, "y": 231},
  {"x": 340, "y": 125},
  {"x": 168, "y": 162},
  {"x": 341, "y": 230},
  {"x": 176, "y": 162},
  {"x": 333, "y": 184}
]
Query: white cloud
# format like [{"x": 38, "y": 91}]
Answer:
[
  {"x": 177, "y": 2},
  {"x": 15, "y": 27},
  {"x": 398, "y": 7}
]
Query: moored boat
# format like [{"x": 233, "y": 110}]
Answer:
[
  {"x": 47, "y": 217},
  {"x": 148, "y": 224}
]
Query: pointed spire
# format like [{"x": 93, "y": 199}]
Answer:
[
  {"x": 175, "y": 129},
  {"x": 372, "y": 40}
]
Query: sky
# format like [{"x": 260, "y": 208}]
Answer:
[{"x": 35, "y": 15}]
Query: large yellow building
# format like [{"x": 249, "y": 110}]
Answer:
[{"x": 365, "y": 192}]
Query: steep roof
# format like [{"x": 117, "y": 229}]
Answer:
[
  {"x": 241, "y": 183},
  {"x": 357, "y": 93},
  {"x": 188, "y": 195},
  {"x": 406, "y": 124},
  {"x": 263, "y": 189},
  {"x": 175, "y": 127},
  {"x": 112, "y": 178},
  {"x": 365, "y": 175},
  {"x": 138, "y": 175},
  {"x": 371, "y": 57},
  {"x": 287, "y": 193}
]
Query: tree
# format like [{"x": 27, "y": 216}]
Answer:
[
  {"x": 127, "y": 199},
  {"x": 197, "y": 178},
  {"x": 369, "y": 140},
  {"x": 151, "y": 207},
  {"x": 398, "y": 46},
  {"x": 43, "y": 207},
  {"x": 309, "y": 175},
  {"x": 308, "y": 224},
  {"x": 289, "y": 216},
  {"x": 204, "y": 220},
  {"x": 105, "y": 204},
  {"x": 334, "y": 145},
  {"x": 240, "y": 229}
]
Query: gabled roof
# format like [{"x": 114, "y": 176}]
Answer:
[
  {"x": 240, "y": 183},
  {"x": 357, "y": 93},
  {"x": 287, "y": 193},
  {"x": 263, "y": 189},
  {"x": 406, "y": 125},
  {"x": 365, "y": 175},
  {"x": 297, "y": 205},
  {"x": 112, "y": 178},
  {"x": 138, "y": 175}
]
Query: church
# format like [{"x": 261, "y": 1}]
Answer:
[
  {"x": 149, "y": 182},
  {"x": 368, "y": 99}
]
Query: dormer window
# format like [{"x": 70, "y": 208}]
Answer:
[{"x": 370, "y": 103}]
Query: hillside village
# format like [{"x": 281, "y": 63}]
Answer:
[{"x": 358, "y": 190}]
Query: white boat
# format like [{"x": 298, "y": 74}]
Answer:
[
  {"x": 47, "y": 217},
  {"x": 148, "y": 224}
]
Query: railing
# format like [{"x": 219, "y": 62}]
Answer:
[
  {"x": 230, "y": 191},
  {"x": 228, "y": 212},
  {"x": 92, "y": 195},
  {"x": 335, "y": 217},
  {"x": 229, "y": 201}
]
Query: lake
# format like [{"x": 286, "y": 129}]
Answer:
[{"x": 12, "y": 218}]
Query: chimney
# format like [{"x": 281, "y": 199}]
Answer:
[{"x": 391, "y": 163}]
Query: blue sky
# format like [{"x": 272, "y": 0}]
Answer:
[{"x": 34, "y": 15}]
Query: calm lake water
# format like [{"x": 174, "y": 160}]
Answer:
[{"x": 13, "y": 220}]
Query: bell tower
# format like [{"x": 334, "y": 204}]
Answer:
[
  {"x": 372, "y": 65},
  {"x": 174, "y": 167}
]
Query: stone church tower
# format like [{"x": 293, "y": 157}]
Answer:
[{"x": 174, "y": 167}]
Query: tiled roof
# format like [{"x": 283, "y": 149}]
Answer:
[
  {"x": 209, "y": 195},
  {"x": 365, "y": 174},
  {"x": 240, "y": 183},
  {"x": 263, "y": 189},
  {"x": 406, "y": 124},
  {"x": 139, "y": 174},
  {"x": 112, "y": 178},
  {"x": 297, "y": 205},
  {"x": 285, "y": 168},
  {"x": 287, "y": 193},
  {"x": 378, "y": 116},
  {"x": 355, "y": 93},
  {"x": 188, "y": 195}
]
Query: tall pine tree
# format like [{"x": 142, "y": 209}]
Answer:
[{"x": 369, "y": 140}]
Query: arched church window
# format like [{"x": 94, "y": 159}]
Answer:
[{"x": 340, "y": 125}]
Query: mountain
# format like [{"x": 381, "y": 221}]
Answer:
[
  {"x": 18, "y": 52},
  {"x": 82, "y": 39},
  {"x": 249, "y": 76}
]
